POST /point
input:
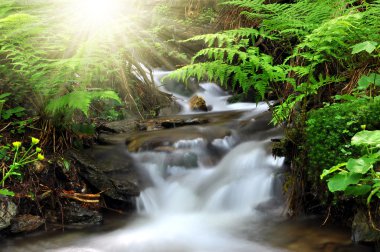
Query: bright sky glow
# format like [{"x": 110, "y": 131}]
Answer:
[{"x": 95, "y": 16}]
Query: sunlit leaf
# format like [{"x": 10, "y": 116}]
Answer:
[
  {"x": 332, "y": 169},
  {"x": 360, "y": 165},
  {"x": 7, "y": 192},
  {"x": 366, "y": 137},
  {"x": 368, "y": 46},
  {"x": 340, "y": 181}
]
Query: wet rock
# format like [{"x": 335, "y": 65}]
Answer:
[
  {"x": 362, "y": 230},
  {"x": 197, "y": 103},
  {"x": 8, "y": 211},
  {"x": 172, "y": 109},
  {"x": 76, "y": 214},
  {"x": 167, "y": 149},
  {"x": 124, "y": 126},
  {"x": 110, "y": 171},
  {"x": 26, "y": 223},
  {"x": 180, "y": 88}
]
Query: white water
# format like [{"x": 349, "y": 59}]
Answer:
[
  {"x": 213, "y": 193},
  {"x": 198, "y": 210},
  {"x": 211, "y": 93},
  {"x": 201, "y": 209},
  {"x": 192, "y": 204}
]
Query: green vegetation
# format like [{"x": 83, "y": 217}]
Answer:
[
  {"x": 321, "y": 60},
  {"x": 329, "y": 131},
  {"x": 61, "y": 74},
  {"x": 21, "y": 158},
  {"x": 360, "y": 176}
]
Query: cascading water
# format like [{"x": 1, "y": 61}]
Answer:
[
  {"x": 216, "y": 187},
  {"x": 192, "y": 204}
]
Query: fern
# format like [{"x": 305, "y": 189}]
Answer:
[
  {"x": 79, "y": 100},
  {"x": 229, "y": 37},
  {"x": 231, "y": 60}
]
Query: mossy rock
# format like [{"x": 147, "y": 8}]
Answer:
[{"x": 197, "y": 103}]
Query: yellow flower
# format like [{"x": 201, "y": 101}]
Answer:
[
  {"x": 16, "y": 144},
  {"x": 35, "y": 140},
  {"x": 38, "y": 149},
  {"x": 40, "y": 156}
]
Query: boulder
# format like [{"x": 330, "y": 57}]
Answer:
[
  {"x": 26, "y": 223},
  {"x": 362, "y": 230},
  {"x": 109, "y": 170},
  {"x": 123, "y": 126},
  {"x": 197, "y": 103},
  {"x": 77, "y": 215},
  {"x": 172, "y": 109},
  {"x": 8, "y": 211}
]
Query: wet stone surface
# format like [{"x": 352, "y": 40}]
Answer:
[
  {"x": 26, "y": 223},
  {"x": 8, "y": 211}
]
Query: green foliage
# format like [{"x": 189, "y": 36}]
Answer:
[
  {"x": 79, "y": 100},
  {"x": 21, "y": 157},
  {"x": 358, "y": 176},
  {"x": 231, "y": 60},
  {"x": 313, "y": 34},
  {"x": 288, "y": 20},
  {"x": 368, "y": 46},
  {"x": 57, "y": 71},
  {"x": 5, "y": 114},
  {"x": 330, "y": 129}
]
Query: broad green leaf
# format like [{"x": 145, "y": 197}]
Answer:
[
  {"x": 340, "y": 181},
  {"x": 365, "y": 81},
  {"x": 4, "y": 95},
  {"x": 7, "y": 192},
  {"x": 357, "y": 190},
  {"x": 360, "y": 165},
  {"x": 368, "y": 46},
  {"x": 366, "y": 137},
  {"x": 332, "y": 169}
]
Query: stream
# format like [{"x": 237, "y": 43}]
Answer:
[{"x": 205, "y": 188}]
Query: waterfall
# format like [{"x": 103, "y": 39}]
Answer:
[
  {"x": 192, "y": 204},
  {"x": 211, "y": 189}
]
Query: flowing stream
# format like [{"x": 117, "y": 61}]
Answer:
[{"x": 216, "y": 187}]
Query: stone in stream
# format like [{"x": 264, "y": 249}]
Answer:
[
  {"x": 77, "y": 215},
  {"x": 110, "y": 172},
  {"x": 8, "y": 211},
  {"x": 362, "y": 230},
  {"x": 26, "y": 223},
  {"x": 197, "y": 103}
]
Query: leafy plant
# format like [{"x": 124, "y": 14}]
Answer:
[
  {"x": 358, "y": 176},
  {"x": 231, "y": 60},
  {"x": 329, "y": 131},
  {"x": 21, "y": 158},
  {"x": 8, "y": 113}
]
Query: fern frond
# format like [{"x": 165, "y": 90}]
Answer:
[{"x": 79, "y": 100}]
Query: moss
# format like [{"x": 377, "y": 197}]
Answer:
[{"x": 328, "y": 134}]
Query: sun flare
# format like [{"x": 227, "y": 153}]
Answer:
[{"x": 96, "y": 15}]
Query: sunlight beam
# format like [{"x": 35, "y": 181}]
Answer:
[{"x": 95, "y": 16}]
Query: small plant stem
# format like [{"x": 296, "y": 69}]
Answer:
[
  {"x": 8, "y": 174},
  {"x": 21, "y": 161},
  {"x": 31, "y": 161},
  {"x": 3, "y": 175},
  {"x": 14, "y": 158},
  {"x": 22, "y": 158}
]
